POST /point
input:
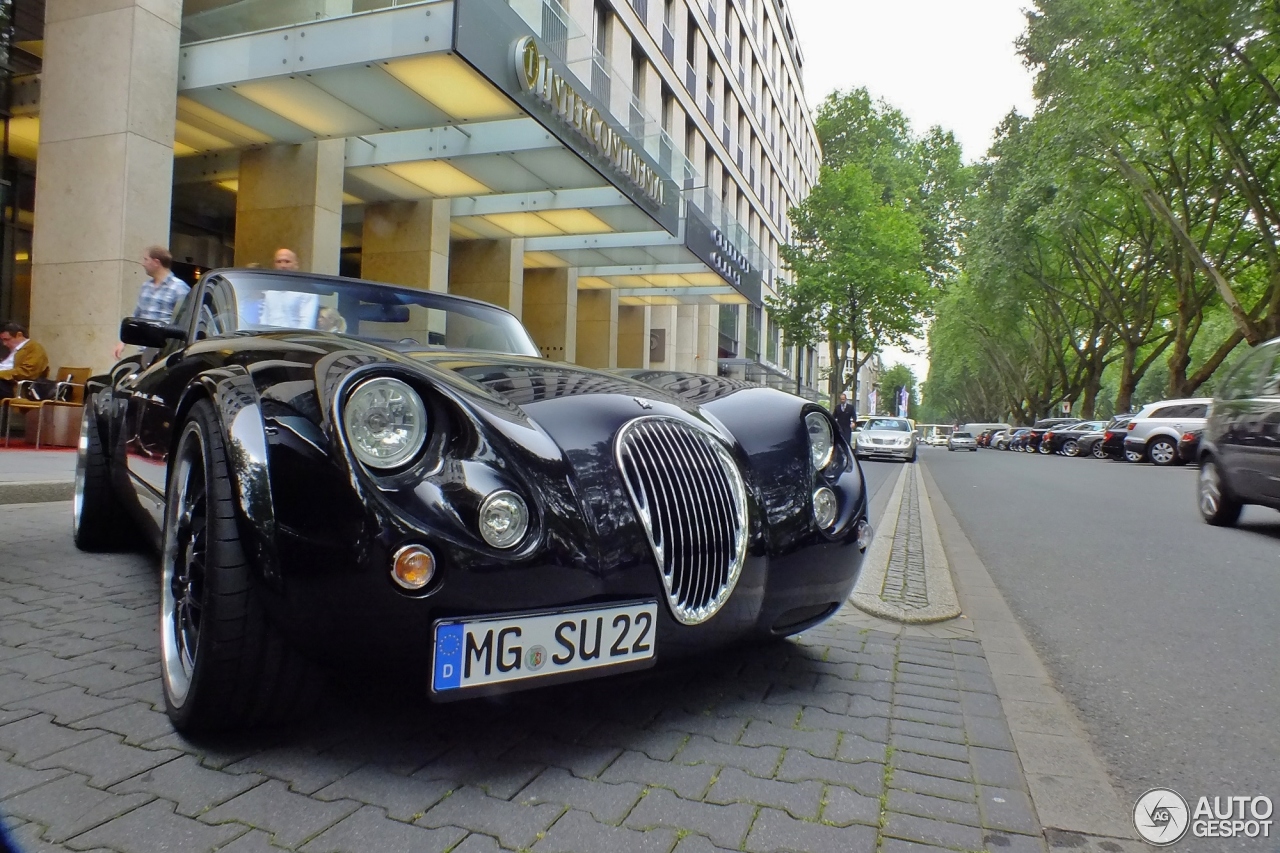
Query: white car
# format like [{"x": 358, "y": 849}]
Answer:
[
  {"x": 892, "y": 437},
  {"x": 962, "y": 441}
]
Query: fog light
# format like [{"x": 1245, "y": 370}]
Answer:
[
  {"x": 865, "y": 533},
  {"x": 824, "y": 507},
  {"x": 504, "y": 518},
  {"x": 413, "y": 567}
]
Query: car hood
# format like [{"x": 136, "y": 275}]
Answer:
[{"x": 884, "y": 433}]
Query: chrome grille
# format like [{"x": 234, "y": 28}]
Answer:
[{"x": 692, "y": 502}]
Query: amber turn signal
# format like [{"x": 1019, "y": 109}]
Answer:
[{"x": 413, "y": 567}]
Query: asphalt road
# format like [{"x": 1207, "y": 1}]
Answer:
[{"x": 1164, "y": 632}]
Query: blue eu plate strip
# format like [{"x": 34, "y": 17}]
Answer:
[{"x": 448, "y": 663}]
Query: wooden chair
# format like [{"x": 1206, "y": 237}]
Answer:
[{"x": 67, "y": 393}]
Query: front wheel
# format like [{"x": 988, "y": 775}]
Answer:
[
  {"x": 1098, "y": 451},
  {"x": 1217, "y": 507},
  {"x": 222, "y": 663},
  {"x": 1044, "y": 448},
  {"x": 1071, "y": 448},
  {"x": 1162, "y": 452},
  {"x": 1132, "y": 455}
]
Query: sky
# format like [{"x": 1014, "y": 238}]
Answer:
[{"x": 947, "y": 62}]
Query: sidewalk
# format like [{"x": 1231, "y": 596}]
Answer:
[
  {"x": 31, "y": 476},
  {"x": 860, "y": 735}
]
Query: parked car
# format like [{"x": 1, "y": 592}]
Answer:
[
  {"x": 1066, "y": 439},
  {"x": 962, "y": 441},
  {"x": 1040, "y": 427},
  {"x": 1113, "y": 439},
  {"x": 1000, "y": 441},
  {"x": 1018, "y": 440},
  {"x": 977, "y": 429},
  {"x": 890, "y": 437},
  {"x": 1189, "y": 445},
  {"x": 1155, "y": 431},
  {"x": 1090, "y": 443},
  {"x": 1240, "y": 446},
  {"x": 423, "y": 489}
]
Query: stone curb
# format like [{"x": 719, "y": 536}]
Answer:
[
  {"x": 1070, "y": 787},
  {"x": 868, "y": 593},
  {"x": 38, "y": 491}
]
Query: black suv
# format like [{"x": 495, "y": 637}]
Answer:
[
  {"x": 1240, "y": 447},
  {"x": 1040, "y": 427}
]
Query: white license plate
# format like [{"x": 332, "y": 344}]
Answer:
[{"x": 488, "y": 653}]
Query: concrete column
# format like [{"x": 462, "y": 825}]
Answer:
[
  {"x": 686, "y": 339},
  {"x": 598, "y": 328},
  {"x": 633, "y": 336},
  {"x": 708, "y": 340},
  {"x": 662, "y": 323},
  {"x": 489, "y": 270},
  {"x": 104, "y": 187},
  {"x": 407, "y": 243},
  {"x": 551, "y": 311},
  {"x": 291, "y": 196}
]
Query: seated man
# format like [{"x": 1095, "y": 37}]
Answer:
[{"x": 26, "y": 359}]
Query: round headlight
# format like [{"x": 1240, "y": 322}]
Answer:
[
  {"x": 824, "y": 507},
  {"x": 821, "y": 441},
  {"x": 504, "y": 519},
  {"x": 386, "y": 422}
]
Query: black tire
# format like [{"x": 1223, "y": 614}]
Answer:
[
  {"x": 913, "y": 457},
  {"x": 1133, "y": 456},
  {"x": 223, "y": 665},
  {"x": 1097, "y": 452},
  {"x": 1071, "y": 448},
  {"x": 99, "y": 522},
  {"x": 1163, "y": 452},
  {"x": 1217, "y": 505}
]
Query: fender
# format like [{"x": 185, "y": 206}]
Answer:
[{"x": 239, "y": 412}]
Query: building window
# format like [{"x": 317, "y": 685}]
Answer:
[
  {"x": 729, "y": 331},
  {"x": 600, "y": 86}
]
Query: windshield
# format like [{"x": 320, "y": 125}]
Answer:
[
  {"x": 961, "y": 435},
  {"x": 888, "y": 424},
  {"x": 247, "y": 301}
]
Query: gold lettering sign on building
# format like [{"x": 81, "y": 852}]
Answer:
[{"x": 539, "y": 79}]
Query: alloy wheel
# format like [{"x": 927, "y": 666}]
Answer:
[
  {"x": 1210, "y": 489},
  {"x": 1071, "y": 448},
  {"x": 1132, "y": 456},
  {"x": 185, "y": 558},
  {"x": 82, "y": 465},
  {"x": 1162, "y": 453},
  {"x": 1098, "y": 451}
]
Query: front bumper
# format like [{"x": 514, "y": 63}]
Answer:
[{"x": 886, "y": 450}]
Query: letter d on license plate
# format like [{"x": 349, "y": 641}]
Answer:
[{"x": 487, "y": 655}]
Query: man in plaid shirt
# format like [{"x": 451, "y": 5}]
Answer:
[{"x": 161, "y": 292}]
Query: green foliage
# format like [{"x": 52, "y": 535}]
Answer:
[
  {"x": 1125, "y": 238},
  {"x": 877, "y": 237},
  {"x": 894, "y": 379}
]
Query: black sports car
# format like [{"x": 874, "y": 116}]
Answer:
[{"x": 340, "y": 471}]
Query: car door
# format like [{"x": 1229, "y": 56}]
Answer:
[
  {"x": 1239, "y": 410},
  {"x": 150, "y": 400},
  {"x": 1264, "y": 406}
]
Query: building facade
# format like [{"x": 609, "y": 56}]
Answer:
[{"x": 615, "y": 172}]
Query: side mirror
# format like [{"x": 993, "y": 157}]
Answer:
[{"x": 149, "y": 333}]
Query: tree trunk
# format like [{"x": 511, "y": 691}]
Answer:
[{"x": 1128, "y": 382}]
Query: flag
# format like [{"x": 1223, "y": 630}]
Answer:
[
  {"x": 871, "y": 402},
  {"x": 903, "y": 400}
]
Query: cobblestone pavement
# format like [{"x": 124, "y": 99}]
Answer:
[{"x": 848, "y": 738}]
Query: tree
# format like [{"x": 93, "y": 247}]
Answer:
[
  {"x": 892, "y": 381},
  {"x": 858, "y": 281},
  {"x": 876, "y": 239}
]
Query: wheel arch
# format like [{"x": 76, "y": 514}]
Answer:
[{"x": 237, "y": 406}]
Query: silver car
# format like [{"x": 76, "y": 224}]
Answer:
[
  {"x": 1155, "y": 431},
  {"x": 962, "y": 441},
  {"x": 892, "y": 437}
]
